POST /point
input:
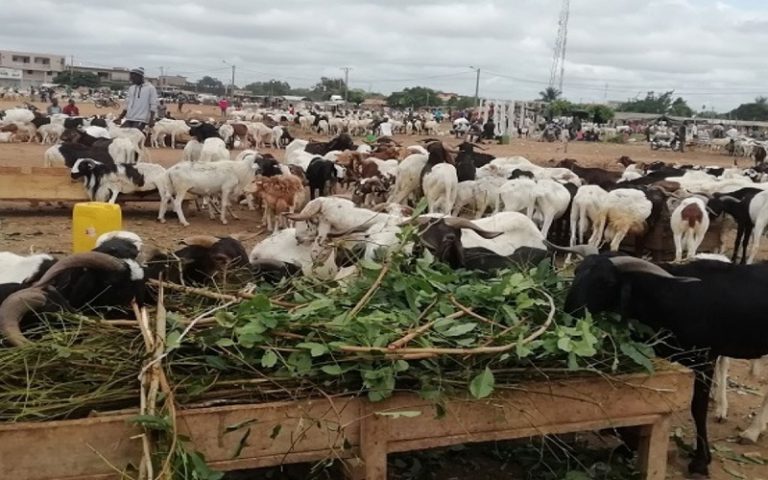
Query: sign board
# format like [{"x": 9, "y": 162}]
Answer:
[{"x": 10, "y": 73}]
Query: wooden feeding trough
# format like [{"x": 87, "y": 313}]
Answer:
[{"x": 358, "y": 431}]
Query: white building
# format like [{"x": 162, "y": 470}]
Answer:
[{"x": 36, "y": 68}]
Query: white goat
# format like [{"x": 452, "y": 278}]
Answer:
[
  {"x": 50, "y": 133},
  {"x": 624, "y": 212},
  {"x": 689, "y": 223},
  {"x": 440, "y": 187},
  {"x": 213, "y": 150},
  {"x": 552, "y": 200},
  {"x": 407, "y": 178},
  {"x": 17, "y": 268}
]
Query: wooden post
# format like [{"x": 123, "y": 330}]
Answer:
[
  {"x": 652, "y": 452},
  {"x": 374, "y": 432}
]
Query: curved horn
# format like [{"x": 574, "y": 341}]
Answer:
[
  {"x": 478, "y": 146},
  {"x": 206, "y": 241},
  {"x": 349, "y": 231},
  {"x": 307, "y": 213},
  {"x": 580, "y": 250},
  {"x": 13, "y": 309},
  {"x": 638, "y": 265},
  {"x": 457, "y": 222},
  {"x": 728, "y": 198},
  {"x": 96, "y": 260}
]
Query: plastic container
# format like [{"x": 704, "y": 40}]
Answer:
[{"x": 89, "y": 220}]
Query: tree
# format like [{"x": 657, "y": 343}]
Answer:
[
  {"x": 559, "y": 108},
  {"x": 357, "y": 96},
  {"x": 599, "y": 113},
  {"x": 652, "y": 103},
  {"x": 415, "y": 97},
  {"x": 79, "y": 79},
  {"x": 550, "y": 94},
  {"x": 210, "y": 85},
  {"x": 272, "y": 88},
  {"x": 680, "y": 108},
  {"x": 755, "y": 111},
  {"x": 327, "y": 87},
  {"x": 461, "y": 102}
]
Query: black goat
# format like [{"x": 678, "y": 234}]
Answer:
[
  {"x": 340, "y": 142},
  {"x": 442, "y": 236},
  {"x": 711, "y": 308},
  {"x": 95, "y": 149},
  {"x": 91, "y": 281},
  {"x": 202, "y": 131},
  {"x": 591, "y": 175},
  {"x": 736, "y": 204},
  {"x": 269, "y": 165},
  {"x": 199, "y": 261},
  {"x": 322, "y": 177},
  {"x": 479, "y": 159}
]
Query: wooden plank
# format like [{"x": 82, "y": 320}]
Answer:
[
  {"x": 654, "y": 444},
  {"x": 347, "y": 427}
]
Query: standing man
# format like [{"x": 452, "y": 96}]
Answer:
[
  {"x": 54, "y": 106},
  {"x": 681, "y": 137},
  {"x": 71, "y": 109},
  {"x": 140, "y": 103},
  {"x": 162, "y": 109},
  {"x": 223, "y": 106}
]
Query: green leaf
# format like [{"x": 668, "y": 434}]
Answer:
[
  {"x": 275, "y": 431},
  {"x": 369, "y": 265},
  {"x": 224, "y": 342},
  {"x": 459, "y": 330},
  {"x": 482, "y": 385},
  {"x": 332, "y": 370},
  {"x": 173, "y": 341},
  {"x": 153, "y": 422},
  {"x": 225, "y": 319},
  {"x": 630, "y": 350},
  {"x": 565, "y": 344},
  {"x": 217, "y": 362},
  {"x": 315, "y": 349},
  {"x": 269, "y": 359}
]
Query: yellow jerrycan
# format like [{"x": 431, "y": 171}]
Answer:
[{"x": 91, "y": 219}]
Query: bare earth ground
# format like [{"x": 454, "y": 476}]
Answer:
[{"x": 48, "y": 228}]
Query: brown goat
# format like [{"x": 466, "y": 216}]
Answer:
[{"x": 280, "y": 194}]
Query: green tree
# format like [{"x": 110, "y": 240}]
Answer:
[
  {"x": 755, "y": 111},
  {"x": 558, "y": 108},
  {"x": 680, "y": 108},
  {"x": 326, "y": 87},
  {"x": 210, "y": 85},
  {"x": 461, "y": 102},
  {"x": 652, "y": 103},
  {"x": 272, "y": 88},
  {"x": 550, "y": 94},
  {"x": 78, "y": 79},
  {"x": 357, "y": 96},
  {"x": 599, "y": 113},
  {"x": 415, "y": 97}
]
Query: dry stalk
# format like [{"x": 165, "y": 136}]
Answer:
[
  {"x": 469, "y": 312},
  {"x": 367, "y": 297},
  {"x": 415, "y": 333},
  {"x": 224, "y": 297}
]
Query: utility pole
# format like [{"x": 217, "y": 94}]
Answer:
[
  {"x": 71, "y": 69},
  {"x": 161, "y": 80},
  {"x": 346, "y": 83},
  {"x": 233, "y": 81},
  {"x": 477, "y": 86}
]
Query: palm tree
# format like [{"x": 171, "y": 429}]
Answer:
[{"x": 550, "y": 94}]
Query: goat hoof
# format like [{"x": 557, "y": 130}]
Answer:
[
  {"x": 720, "y": 419},
  {"x": 698, "y": 469}
]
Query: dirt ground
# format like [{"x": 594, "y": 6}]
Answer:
[{"x": 48, "y": 228}]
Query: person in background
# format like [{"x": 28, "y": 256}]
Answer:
[
  {"x": 681, "y": 137},
  {"x": 162, "y": 109},
  {"x": 223, "y": 106},
  {"x": 71, "y": 109},
  {"x": 54, "y": 106},
  {"x": 180, "y": 103},
  {"x": 140, "y": 102}
]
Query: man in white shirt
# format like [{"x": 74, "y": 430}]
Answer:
[{"x": 141, "y": 102}]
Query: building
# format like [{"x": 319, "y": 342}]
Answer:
[
  {"x": 36, "y": 68},
  {"x": 446, "y": 96},
  {"x": 10, "y": 77},
  {"x": 106, "y": 75},
  {"x": 171, "y": 81}
]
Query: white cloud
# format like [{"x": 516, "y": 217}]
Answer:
[{"x": 709, "y": 51}]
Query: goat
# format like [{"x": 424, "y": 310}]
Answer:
[
  {"x": 711, "y": 308},
  {"x": 200, "y": 261},
  {"x": 279, "y": 195},
  {"x": 689, "y": 223},
  {"x": 591, "y": 176},
  {"x": 322, "y": 177}
]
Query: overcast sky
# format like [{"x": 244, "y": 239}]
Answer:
[{"x": 711, "y": 52}]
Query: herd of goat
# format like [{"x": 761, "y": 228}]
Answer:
[{"x": 484, "y": 213}]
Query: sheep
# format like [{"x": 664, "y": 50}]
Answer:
[
  {"x": 689, "y": 223},
  {"x": 213, "y": 150},
  {"x": 226, "y": 177},
  {"x": 123, "y": 150},
  {"x": 21, "y": 269},
  {"x": 226, "y": 132},
  {"x": 440, "y": 188},
  {"x": 18, "y": 115},
  {"x": 7, "y": 137},
  {"x": 585, "y": 212},
  {"x": 407, "y": 179},
  {"x": 737, "y": 205},
  {"x": 90, "y": 280},
  {"x": 166, "y": 126},
  {"x": 518, "y": 195},
  {"x": 200, "y": 260},
  {"x": 478, "y": 195},
  {"x": 333, "y": 215},
  {"x": 283, "y": 254},
  {"x": 104, "y": 182},
  {"x": 711, "y": 308},
  {"x": 53, "y": 156},
  {"x": 50, "y": 133},
  {"x": 624, "y": 212},
  {"x": 261, "y": 134},
  {"x": 516, "y": 230},
  {"x": 136, "y": 137}
]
